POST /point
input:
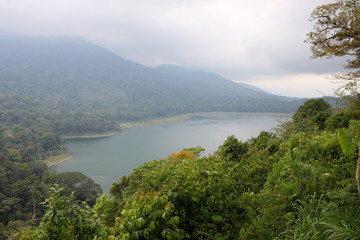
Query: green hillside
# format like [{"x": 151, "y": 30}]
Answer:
[{"x": 81, "y": 76}]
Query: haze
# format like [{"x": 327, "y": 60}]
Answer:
[{"x": 253, "y": 41}]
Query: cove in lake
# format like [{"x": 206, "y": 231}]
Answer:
[{"x": 107, "y": 159}]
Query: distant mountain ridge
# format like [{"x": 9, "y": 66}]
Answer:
[
  {"x": 81, "y": 76},
  {"x": 217, "y": 82},
  {"x": 252, "y": 87}
]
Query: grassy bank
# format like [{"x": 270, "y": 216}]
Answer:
[
  {"x": 92, "y": 135},
  {"x": 183, "y": 117},
  {"x": 57, "y": 159},
  {"x": 158, "y": 121}
]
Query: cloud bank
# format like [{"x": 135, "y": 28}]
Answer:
[{"x": 255, "y": 41}]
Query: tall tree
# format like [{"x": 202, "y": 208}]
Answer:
[
  {"x": 81, "y": 186},
  {"x": 336, "y": 33},
  {"x": 312, "y": 115}
]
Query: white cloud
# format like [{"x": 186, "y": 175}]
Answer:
[
  {"x": 242, "y": 40},
  {"x": 299, "y": 85}
]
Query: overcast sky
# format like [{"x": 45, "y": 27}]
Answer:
[{"x": 260, "y": 42}]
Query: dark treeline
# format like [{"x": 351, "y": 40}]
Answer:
[
  {"x": 29, "y": 133},
  {"x": 44, "y": 115}
]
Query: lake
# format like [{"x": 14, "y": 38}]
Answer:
[{"x": 107, "y": 159}]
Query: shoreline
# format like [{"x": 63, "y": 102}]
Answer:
[
  {"x": 95, "y": 135},
  {"x": 183, "y": 117},
  {"x": 157, "y": 121},
  {"x": 55, "y": 160}
]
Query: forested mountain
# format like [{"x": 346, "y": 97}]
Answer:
[
  {"x": 211, "y": 83},
  {"x": 81, "y": 76}
]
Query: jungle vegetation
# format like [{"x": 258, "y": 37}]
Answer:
[{"x": 300, "y": 181}]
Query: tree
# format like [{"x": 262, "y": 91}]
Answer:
[
  {"x": 64, "y": 219},
  {"x": 81, "y": 186},
  {"x": 336, "y": 33},
  {"x": 312, "y": 115},
  {"x": 233, "y": 149}
]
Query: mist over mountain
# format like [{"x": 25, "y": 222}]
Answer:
[
  {"x": 252, "y": 87},
  {"x": 81, "y": 76}
]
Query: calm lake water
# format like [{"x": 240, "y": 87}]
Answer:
[{"x": 107, "y": 159}]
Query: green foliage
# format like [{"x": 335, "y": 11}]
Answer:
[
  {"x": 343, "y": 227},
  {"x": 342, "y": 119},
  {"x": 345, "y": 143},
  {"x": 200, "y": 191},
  {"x": 205, "y": 191},
  {"x": 106, "y": 209},
  {"x": 64, "y": 219},
  {"x": 21, "y": 144},
  {"x": 311, "y": 215},
  {"x": 264, "y": 188},
  {"x": 24, "y": 185},
  {"x": 318, "y": 219},
  {"x": 148, "y": 215},
  {"x": 81, "y": 186},
  {"x": 21, "y": 189},
  {"x": 354, "y": 104},
  {"x": 313, "y": 163},
  {"x": 312, "y": 115},
  {"x": 233, "y": 149}
]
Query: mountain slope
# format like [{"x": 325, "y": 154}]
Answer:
[
  {"x": 204, "y": 81},
  {"x": 215, "y": 83},
  {"x": 81, "y": 76}
]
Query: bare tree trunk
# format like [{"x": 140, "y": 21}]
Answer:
[
  {"x": 34, "y": 207},
  {"x": 358, "y": 174}
]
